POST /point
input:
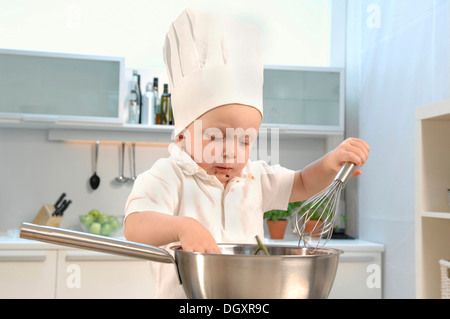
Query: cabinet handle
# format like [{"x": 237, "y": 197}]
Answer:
[
  {"x": 11, "y": 258},
  {"x": 356, "y": 259}
]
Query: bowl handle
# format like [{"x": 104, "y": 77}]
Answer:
[{"x": 87, "y": 241}]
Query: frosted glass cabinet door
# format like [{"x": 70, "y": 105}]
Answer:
[
  {"x": 304, "y": 98},
  {"x": 56, "y": 84}
]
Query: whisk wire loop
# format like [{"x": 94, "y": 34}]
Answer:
[{"x": 323, "y": 207}]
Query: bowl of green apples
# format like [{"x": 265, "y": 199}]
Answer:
[{"x": 100, "y": 224}]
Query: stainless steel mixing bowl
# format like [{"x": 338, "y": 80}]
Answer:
[{"x": 289, "y": 272}]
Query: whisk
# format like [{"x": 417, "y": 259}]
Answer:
[{"x": 323, "y": 207}]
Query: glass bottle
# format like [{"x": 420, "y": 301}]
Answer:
[
  {"x": 133, "y": 109},
  {"x": 157, "y": 101},
  {"x": 165, "y": 102},
  {"x": 136, "y": 87},
  {"x": 148, "y": 116}
]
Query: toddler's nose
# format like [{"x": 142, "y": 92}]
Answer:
[{"x": 229, "y": 151}]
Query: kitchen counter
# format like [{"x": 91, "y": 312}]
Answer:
[
  {"x": 7, "y": 242},
  {"x": 354, "y": 245},
  {"x": 17, "y": 243},
  {"x": 48, "y": 267}
]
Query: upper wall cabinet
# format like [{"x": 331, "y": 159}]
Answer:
[
  {"x": 304, "y": 98},
  {"x": 65, "y": 86},
  {"x": 61, "y": 91}
]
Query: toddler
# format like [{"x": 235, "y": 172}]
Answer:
[{"x": 208, "y": 191}]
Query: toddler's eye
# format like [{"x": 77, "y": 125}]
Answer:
[
  {"x": 212, "y": 134},
  {"x": 215, "y": 138},
  {"x": 244, "y": 142}
]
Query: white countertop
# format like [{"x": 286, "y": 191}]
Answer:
[
  {"x": 7, "y": 242},
  {"x": 343, "y": 244},
  {"x": 16, "y": 243}
]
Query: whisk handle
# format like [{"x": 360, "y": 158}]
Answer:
[{"x": 345, "y": 173}]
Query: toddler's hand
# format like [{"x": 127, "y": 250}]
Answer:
[
  {"x": 352, "y": 150},
  {"x": 195, "y": 237}
]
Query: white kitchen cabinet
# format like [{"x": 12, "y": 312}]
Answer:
[
  {"x": 85, "y": 274},
  {"x": 358, "y": 276},
  {"x": 27, "y": 273},
  {"x": 61, "y": 86},
  {"x": 304, "y": 98},
  {"x": 304, "y": 101},
  {"x": 31, "y": 269},
  {"x": 432, "y": 208}
]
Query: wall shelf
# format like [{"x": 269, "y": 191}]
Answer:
[
  {"x": 116, "y": 132},
  {"x": 441, "y": 215}
]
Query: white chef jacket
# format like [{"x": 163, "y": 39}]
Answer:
[{"x": 178, "y": 186}]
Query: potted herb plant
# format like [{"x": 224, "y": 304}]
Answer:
[{"x": 277, "y": 220}]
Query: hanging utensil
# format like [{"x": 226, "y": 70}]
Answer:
[
  {"x": 94, "y": 181},
  {"x": 133, "y": 161},
  {"x": 121, "y": 178}
]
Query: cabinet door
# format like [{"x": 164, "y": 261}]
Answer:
[
  {"x": 304, "y": 98},
  {"x": 358, "y": 276},
  {"x": 86, "y": 274},
  {"x": 59, "y": 85},
  {"x": 27, "y": 273}
]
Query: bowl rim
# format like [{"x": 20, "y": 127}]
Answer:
[{"x": 327, "y": 252}]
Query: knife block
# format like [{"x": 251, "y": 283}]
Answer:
[{"x": 44, "y": 217}]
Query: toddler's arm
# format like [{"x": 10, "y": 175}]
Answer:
[
  {"x": 158, "y": 229},
  {"x": 318, "y": 175}
]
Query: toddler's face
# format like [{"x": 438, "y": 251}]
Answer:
[{"x": 220, "y": 141}]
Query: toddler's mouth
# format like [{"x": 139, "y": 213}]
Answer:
[{"x": 223, "y": 168}]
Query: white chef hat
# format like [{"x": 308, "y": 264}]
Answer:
[{"x": 212, "y": 60}]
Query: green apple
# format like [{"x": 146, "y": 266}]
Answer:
[
  {"x": 114, "y": 222},
  {"x": 86, "y": 220},
  {"x": 95, "y": 228},
  {"x": 106, "y": 229},
  {"x": 103, "y": 219},
  {"x": 94, "y": 213}
]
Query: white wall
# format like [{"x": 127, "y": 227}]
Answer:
[
  {"x": 37, "y": 171},
  {"x": 395, "y": 64},
  {"x": 136, "y": 29}
]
